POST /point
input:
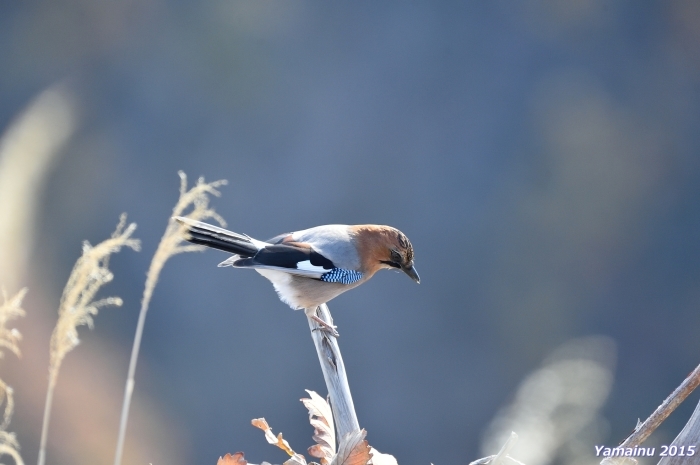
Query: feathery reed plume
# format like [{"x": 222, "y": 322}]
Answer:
[
  {"x": 9, "y": 338},
  {"x": 10, "y": 310},
  {"x": 170, "y": 244},
  {"x": 28, "y": 149},
  {"x": 78, "y": 306}
]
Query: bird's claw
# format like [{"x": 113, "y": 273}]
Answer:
[
  {"x": 325, "y": 327},
  {"x": 332, "y": 330}
]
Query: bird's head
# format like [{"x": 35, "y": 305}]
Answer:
[{"x": 387, "y": 247}]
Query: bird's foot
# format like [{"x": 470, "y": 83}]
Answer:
[{"x": 325, "y": 327}]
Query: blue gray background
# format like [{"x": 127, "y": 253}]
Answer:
[{"x": 542, "y": 156}]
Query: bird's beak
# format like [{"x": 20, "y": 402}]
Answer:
[{"x": 411, "y": 271}]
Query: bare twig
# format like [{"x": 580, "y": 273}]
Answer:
[
  {"x": 334, "y": 374},
  {"x": 643, "y": 431}
]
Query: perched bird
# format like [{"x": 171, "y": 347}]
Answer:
[{"x": 310, "y": 267}]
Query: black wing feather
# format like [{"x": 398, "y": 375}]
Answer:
[{"x": 286, "y": 256}]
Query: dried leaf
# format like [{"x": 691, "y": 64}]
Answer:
[
  {"x": 277, "y": 441},
  {"x": 297, "y": 459},
  {"x": 353, "y": 450},
  {"x": 382, "y": 459},
  {"x": 320, "y": 452},
  {"x": 321, "y": 418},
  {"x": 235, "y": 459}
]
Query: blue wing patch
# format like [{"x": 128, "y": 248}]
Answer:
[{"x": 339, "y": 275}]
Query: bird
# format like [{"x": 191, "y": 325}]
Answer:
[{"x": 310, "y": 267}]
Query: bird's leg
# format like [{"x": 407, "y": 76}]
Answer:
[{"x": 325, "y": 327}]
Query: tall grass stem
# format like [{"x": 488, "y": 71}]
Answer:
[
  {"x": 170, "y": 244},
  {"x": 78, "y": 307}
]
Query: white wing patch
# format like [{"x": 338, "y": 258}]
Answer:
[
  {"x": 307, "y": 266},
  {"x": 229, "y": 261},
  {"x": 258, "y": 244}
]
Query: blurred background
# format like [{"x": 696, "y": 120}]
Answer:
[{"x": 542, "y": 156}]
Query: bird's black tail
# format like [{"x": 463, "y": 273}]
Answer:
[{"x": 218, "y": 238}]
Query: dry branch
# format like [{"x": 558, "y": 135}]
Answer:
[
  {"x": 353, "y": 449},
  {"x": 334, "y": 375},
  {"x": 644, "y": 430}
]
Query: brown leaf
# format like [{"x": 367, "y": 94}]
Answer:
[
  {"x": 297, "y": 459},
  {"x": 277, "y": 441},
  {"x": 321, "y": 418},
  {"x": 235, "y": 459},
  {"x": 317, "y": 451},
  {"x": 353, "y": 450}
]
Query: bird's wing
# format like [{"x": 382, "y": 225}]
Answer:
[
  {"x": 333, "y": 241},
  {"x": 290, "y": 257},
  {"x": 280, "y": 238}
]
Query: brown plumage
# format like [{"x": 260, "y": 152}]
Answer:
[{"x": 381, "y": 247}]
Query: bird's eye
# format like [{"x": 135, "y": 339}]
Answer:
[{"x": 396, "y": 259}]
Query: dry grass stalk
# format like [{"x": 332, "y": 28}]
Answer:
[
  {"x": 78, "y": 306},
  {"x": 170, "y": 244},
  {"x": 9, "y": 310},
  {"x": 10, "y": 446}
]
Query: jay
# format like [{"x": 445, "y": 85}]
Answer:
[{"x": 310, "y": 267}]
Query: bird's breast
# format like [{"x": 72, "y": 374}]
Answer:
[{"x": 300, "y": 292}]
